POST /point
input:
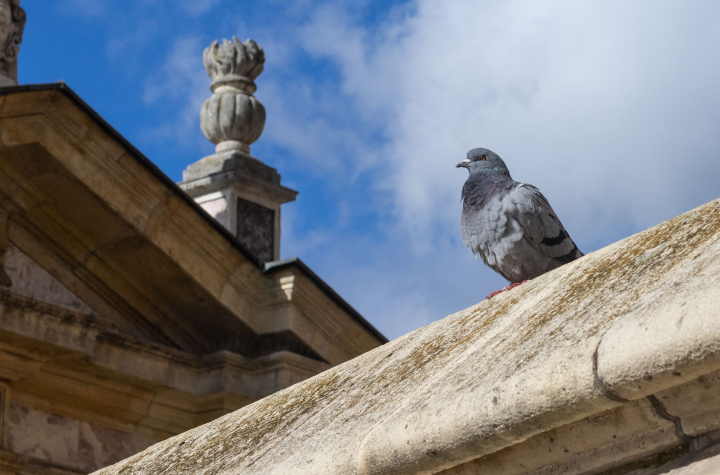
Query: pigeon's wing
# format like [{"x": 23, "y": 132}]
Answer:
[
  {"x": 541, "y": 226},
  {"x": 515, "y": 231}
]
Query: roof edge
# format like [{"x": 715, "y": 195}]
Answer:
[{"x": 138, "y": 155}]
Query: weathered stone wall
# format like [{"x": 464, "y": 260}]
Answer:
[
  {"x": 67, "y": 442},
  {"x": 31, "y": 280}
]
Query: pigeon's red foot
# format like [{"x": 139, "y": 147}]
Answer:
[
  {"x": 504, "y": 289},
  {"x": 494, "y": 294}
]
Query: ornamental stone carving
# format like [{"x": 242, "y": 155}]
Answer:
[
  {"x": 12, "y": 23},
  {"x": 232, "y": 118}
]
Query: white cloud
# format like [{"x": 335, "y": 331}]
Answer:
[
  {"x": 180, "y": 73},
  {"x": 182, "y": 80},
  {"x": 611, "y": 108},
  {"x": 294, "y": 123},
  {"x": 197, "y": 7},
  {"x": 597, "y": 103}
]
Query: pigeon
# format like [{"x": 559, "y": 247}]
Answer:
[{"x": 510, "y": 225}]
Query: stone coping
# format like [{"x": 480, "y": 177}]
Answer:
[{"x": 605, "y": 346}]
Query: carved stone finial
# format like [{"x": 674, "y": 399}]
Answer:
[
  {"x": 239, "y": 191},
  {"x": 12, "y": 23},
  {"x": 232, "y": 118}
]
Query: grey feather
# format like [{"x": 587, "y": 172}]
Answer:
[{"x": 510, "y": 225}]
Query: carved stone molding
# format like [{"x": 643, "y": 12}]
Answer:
[
  {"x": 232, "y": 118},
  {"x": 12, "y": 23}
]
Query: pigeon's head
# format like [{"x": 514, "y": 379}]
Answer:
[{"x": 482, "y": 160}]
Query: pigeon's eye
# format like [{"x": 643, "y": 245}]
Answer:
[{"x": 483, "y": 158}]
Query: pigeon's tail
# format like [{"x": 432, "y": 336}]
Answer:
[{"x": 574, "y": 253}]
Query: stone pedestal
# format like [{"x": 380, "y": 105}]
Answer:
[{"x": 244, "y": 195}]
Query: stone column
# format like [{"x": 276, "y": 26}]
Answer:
[
  {"x": 238, "y": 190},
  {"x": 12, "y": 23}
]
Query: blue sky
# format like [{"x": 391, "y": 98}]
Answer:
[{"x": 611, "y": 108}]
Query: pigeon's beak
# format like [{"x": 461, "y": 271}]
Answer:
[{"x": 464, "y": 164}]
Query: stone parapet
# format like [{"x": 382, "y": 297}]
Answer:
[{"x": 608, "y": 364}]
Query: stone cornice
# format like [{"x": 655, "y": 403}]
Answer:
[
  {"x": 216, "y": 180},
  {"x": 51, "y": 358},
  {"x": 50, "y": 90}
]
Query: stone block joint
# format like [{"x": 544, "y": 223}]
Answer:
[{"x": 661, "y": 411}]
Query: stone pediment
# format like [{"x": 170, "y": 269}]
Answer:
[
  {"x": 31, "y": 280},
  {"x": 119, "y": 235}
]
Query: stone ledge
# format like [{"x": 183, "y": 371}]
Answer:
[
  {"x": 619, "y": 335},
  {"x": 61, "y": 361},
  {"x": 54, "y": 330},
  {"x": 702, "y": 461}
]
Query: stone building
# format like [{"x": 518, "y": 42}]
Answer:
[
  {"x": 131, "y": 310},
  {"x": 134, "y": 312}
]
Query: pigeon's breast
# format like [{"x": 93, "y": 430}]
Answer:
[
  {"x": 487, "y": 229},
  {"x": 478, "y": 194}
]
